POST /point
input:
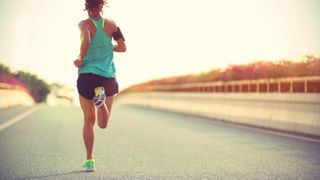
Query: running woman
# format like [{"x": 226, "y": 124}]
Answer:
[{"x": 96, "y": 84}]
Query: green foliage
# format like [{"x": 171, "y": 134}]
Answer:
[
  {"x": 38, "y": 88},
  {"x": 5, "y": 70}
]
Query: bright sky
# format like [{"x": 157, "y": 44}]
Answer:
[{"x": 164, "y": 38}]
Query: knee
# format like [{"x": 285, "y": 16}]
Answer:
[{"x": 89, "y": 120}]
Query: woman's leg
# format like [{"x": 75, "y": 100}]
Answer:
[
  {"x": 89, "y": 119},
  {"x": 104, "y": 112}
]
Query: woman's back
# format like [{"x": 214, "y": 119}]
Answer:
[{"x": 99, "y": 57}]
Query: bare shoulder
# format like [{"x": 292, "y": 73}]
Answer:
[
  {"x": 111, "y": 24},
  {"x": 82, "y": 24}
]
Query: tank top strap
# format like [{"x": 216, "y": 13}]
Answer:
[{"x": 98, "y": 22}]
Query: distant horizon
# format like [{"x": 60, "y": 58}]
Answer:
[
  {"x": 298, "y": 59},
  {"x": 167, "y": 38}
]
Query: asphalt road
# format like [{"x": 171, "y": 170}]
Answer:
[{"x": 147, "y": 144}]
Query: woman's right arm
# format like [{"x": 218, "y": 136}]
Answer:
[{"x": 121, "y": 45}]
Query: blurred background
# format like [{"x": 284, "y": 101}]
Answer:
[
  {"x": 164, "y": 38},
  {"x": 210, "y": 89}
]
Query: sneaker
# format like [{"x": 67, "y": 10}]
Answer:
[
  {"x": 84, "y": 161},
  {"x": 90, "y": 165},
  {"x": 100, "y": 97}
]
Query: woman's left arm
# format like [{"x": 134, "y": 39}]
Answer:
[{"x": 85, "y": 42}]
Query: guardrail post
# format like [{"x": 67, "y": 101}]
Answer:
[
  {"x": 305, "y": 86},
  {"x": 293, "y": 84}
]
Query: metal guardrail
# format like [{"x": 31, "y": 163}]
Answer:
[{"x": 309, "y": 84}]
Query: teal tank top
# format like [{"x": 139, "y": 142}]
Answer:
[{"x": 99, "y": 57}]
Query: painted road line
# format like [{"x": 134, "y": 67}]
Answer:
[{"x": 18, "y": 118}]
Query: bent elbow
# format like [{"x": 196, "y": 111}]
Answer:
[{"x": 123, "y": 48}]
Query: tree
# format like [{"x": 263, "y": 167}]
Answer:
[{"x": 39, "y": 89}]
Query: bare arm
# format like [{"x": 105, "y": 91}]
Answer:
[
  {"x": 85, "y": 33},
  {"x": 120, "y": 45},
  {"x": 85, "y": 42}
]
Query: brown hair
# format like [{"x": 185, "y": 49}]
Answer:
[{"x": 95, "y": 5}]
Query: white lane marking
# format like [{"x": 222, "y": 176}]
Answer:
[{"x": 18, "y": 118}]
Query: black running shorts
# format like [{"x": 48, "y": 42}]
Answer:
[{"x": 87, "y": 82}]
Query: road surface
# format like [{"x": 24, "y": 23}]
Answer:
[{"x": 146, "y": 144}]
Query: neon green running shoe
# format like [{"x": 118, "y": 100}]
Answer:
[
  {"x": 90, "y": 165},
  {"x": 85, "y": 160}
]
